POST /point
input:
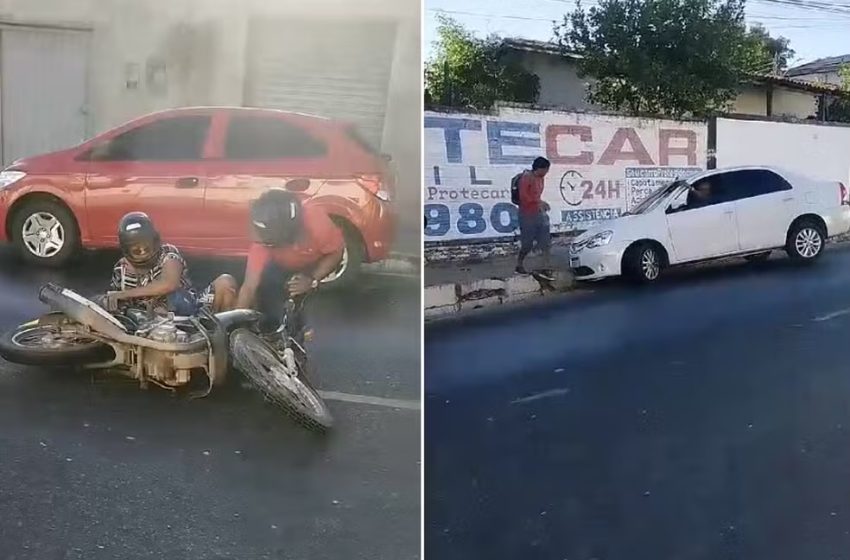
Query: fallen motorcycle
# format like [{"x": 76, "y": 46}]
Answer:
[{"x": 170, "y": 351}]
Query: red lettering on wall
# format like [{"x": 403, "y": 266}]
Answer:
[
  {"x": 665, "y": 150},
  {"x": 616, "y": 152},
  {"x": 554, "y": 131}
]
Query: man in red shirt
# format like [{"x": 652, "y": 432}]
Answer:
[
  {"x": 533, "y": 214},
  {"x": 296, "y": 246}
]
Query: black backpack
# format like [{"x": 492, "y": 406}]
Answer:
[{"x": 515, "y": 188}]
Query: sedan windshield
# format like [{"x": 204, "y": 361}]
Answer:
[{"x": 655, "y": 198}]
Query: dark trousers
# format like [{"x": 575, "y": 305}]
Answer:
[{"x": 272, "y": 299}]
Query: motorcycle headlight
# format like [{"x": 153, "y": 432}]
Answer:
[
  {"x": 9, "y": 177},
  {"x": 600, "y": 239}
]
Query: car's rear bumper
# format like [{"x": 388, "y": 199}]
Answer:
[
  {"x": 838, "y": 223},
  {"x": 379, "y": 233},
  {"x": 595, "y": 264}
]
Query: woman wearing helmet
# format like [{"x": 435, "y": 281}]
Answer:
[
  {"x": 155, "y": 275},
  {"x": 295, "y": 246}
]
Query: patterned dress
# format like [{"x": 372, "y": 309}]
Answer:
[{"x": 125, "y": 277}]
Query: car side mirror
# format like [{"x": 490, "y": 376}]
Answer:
[
  {"x": 297, "y": 185},
  {"x": 676, "y": 206}
]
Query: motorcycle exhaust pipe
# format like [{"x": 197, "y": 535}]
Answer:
[{"x": 81, "y": 310}]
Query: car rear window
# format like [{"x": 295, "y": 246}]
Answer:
[{"x": 255, "y": 138}]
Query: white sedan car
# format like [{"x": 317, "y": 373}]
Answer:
[{"x": 742, "y": 211}]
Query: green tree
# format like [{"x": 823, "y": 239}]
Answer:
[
  {"x": 674, "y": 57},
  {"x": 774, "y": 53},
  {"x": 838, "y": 108},
  {"x": 469, "y": 72}
]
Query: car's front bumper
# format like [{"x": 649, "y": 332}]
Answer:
[{"x": 598, "y": 263}]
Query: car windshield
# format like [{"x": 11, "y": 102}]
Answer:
[{"x": 655, "y": 198}]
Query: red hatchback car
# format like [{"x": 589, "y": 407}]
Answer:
[{"x": 195, "y": 172}]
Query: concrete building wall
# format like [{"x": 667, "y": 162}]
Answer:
[
  {"x": 786, "y": 102},
  {"x": 751, "y": 101},
  {"x": 793, "y": 103},
  {"x": 560, "y": 84}
]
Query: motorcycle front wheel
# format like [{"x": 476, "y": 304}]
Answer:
[
  {"x": 36, "y": 344},
  {"x": 289, "y": 390}
]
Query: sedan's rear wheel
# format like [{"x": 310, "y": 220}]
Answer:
[{"x": 806, "y": 241}]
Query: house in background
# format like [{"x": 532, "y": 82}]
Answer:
[
  {"x": 561, "y": 85},
  {"x": 822, "y": 70}
]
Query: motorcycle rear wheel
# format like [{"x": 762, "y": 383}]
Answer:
[
  {"x": 52, "y": 345},
  {"x": 260, "y": 363}
]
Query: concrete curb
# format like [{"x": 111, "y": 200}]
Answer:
[{"x": 442, "y": 300}]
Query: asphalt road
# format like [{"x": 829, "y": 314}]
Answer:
[
  {"x": 704, "y": 418},
  {"x": 97, "y": 469}
]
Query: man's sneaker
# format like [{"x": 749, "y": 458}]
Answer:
[{"x": 521, "y": 270}]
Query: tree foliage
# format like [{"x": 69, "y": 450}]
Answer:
[
  {"x": 470, "y": 72},
  {"x": 675, "y": 57},
  {"x": 773, "y": 53},
  {"x": 838, "y": 108}
]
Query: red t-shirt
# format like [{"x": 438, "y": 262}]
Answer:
[
  {"x": 530, "y": 191},
  {"x": 320, "y": 237}
]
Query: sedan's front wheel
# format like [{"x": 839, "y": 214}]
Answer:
[
  {"x": 643, "y": 263},
  {"x": 45, "y": 232}
]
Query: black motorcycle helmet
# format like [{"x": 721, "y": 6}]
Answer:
[
  {"x": 276, "y": 218},
  {"x": 140, "y": 242}
]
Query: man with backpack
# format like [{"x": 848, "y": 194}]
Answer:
[{"x": 526, "y": 192}]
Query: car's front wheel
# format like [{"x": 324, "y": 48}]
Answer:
[
  {"x": 806, "y": 241},
  {"x": 45, "y": 232},
  {"x": 643, "y": 263}
]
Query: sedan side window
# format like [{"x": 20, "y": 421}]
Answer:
[
  {"x": 264, "y": 138},
  {"x": 173, "y": 139},
  {"x": 754, "y": 182}
]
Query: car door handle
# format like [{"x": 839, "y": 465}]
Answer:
[
  {"x": 187, "y": 182},
  {"x": 789, "y": 199},
  {"x": 729, "y": 212}
]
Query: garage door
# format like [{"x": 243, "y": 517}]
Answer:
[
  {"x": 43, "y": 92},
  {"x": 336, "y": 70}
]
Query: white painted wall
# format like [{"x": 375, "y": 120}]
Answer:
[
  {"x": 818, "y": 151},
  {"x": 601, "y": 166}
]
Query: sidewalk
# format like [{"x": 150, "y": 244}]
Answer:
[{"x": 451, "y": 287}]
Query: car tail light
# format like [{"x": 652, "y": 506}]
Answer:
[
  {"x": 845, "y": 197},
  {"x": 375, "y": 185}
]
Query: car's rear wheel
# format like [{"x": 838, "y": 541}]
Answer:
[
  {"x": 806, "y": 241},
  {"x": 45, "y": 232},
  {"x": 643, "y": 263},
  {"x": 352, "y": 259}
]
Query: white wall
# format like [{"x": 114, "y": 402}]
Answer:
[
  {"x": 819, "y": 151},
  {"x": 601, "y": 166}
]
